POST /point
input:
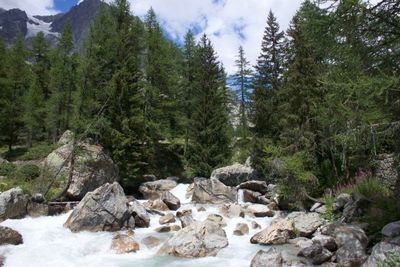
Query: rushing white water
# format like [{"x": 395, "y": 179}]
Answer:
[{"x": 48, "y": 243}]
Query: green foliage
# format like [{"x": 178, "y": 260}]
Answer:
[
  {"x": 372, "y": 188},
  {"x": 7, "y": 169},
  {"x": 329, "y": 214},
  {"x": 392, "y": 260},
  {"x": 27, "y": 172}
]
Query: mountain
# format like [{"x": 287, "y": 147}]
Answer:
[{"x": 16, "y": 21}]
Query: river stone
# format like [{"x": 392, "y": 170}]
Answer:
[
  {"x": 151, "y": 241},
  {"x": 154, "y": 189},
  {"x": 391, "y": 230},
  {"x": 231, "y": 210},
  {"x": 167, "y": 218},
  {"x": 156, "y": 204},
  {"x": 306, "y": 223},
  {"x": 259, "y": 210},
  {"x": 93, "y": 168},
  {"x": 255, "y": 186},
  {"x": 212, "y": 191},
  {"x": 217, "y": 219},
  {"x": 255, "y": 225},
  {"x": 277, "y": 233},
  {"x": 35, "y": 209},
  {"x": 139, "y": 213},
  {"x": 104, "y": 209},
  {"x": 200, "y": 239},
  {"x": 234, "y": 175},
  {"x": 185, "y": 216},
  {"x": 13, "y": 204},
  {"x": 380, "y": 252},
  {"x": 267, "y": 258},
  {"x": 122, "y": 243},
  {"x": 325, "y": 241},
  {"x": 9, "y": 236},
  {"x": 168, "y": 228},
  {"x": 170, "y": 200},
  {"x": 241, "y": 229}
]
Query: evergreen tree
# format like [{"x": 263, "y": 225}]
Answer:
[
  {"x": 209, "y": 139},
  {"x": 242, "y": 81},
  {"x": 16, "y": 83},
  {"x": 41, "y": 63},
  {"x": 62, "y": 85}
]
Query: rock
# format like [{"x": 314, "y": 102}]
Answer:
[
  {"x": 305, "y": 223},
  {"x": 168, "y": 228},
  {"x": 212, "y": 191},
  {"x": 13, "y": 204},
  {"x": 150, "y": 177},
  {"x": 217, "y": 219},
  {"x": 170, "y": 200},
  {"x": 318, "y": 208},
  {"x": 185, "y": 216},
  {"x": 267, "y": 258},
  {"x": 351, "y": 254},
  {"x": 301, "y": 242},
  {"x": 241, "y": 229},
  {"x": 168, "y": 218},
  {"x": 154, "y": 190},
  {"x": 124, "y": 244},
  {"x": 200, "y": 239},
  {"x": 322, "y": 257},
  {"x": 380, "y": 252},
  {"x": 37, "y": 198},
  {"x": 104, "y": 209},
  {"x": 201, "y": 209},
  {"x": 151, "y": 241},
  {"x": 9, "y": 236},
  {"x": 250, "y": 196},
  {"x": 139, "y": 213},
  {"x": 316, "y": 254},
  {"x": 93, "y": 168},
  {"x": 66, "y": 138},
  {"x": 255, "y": 186},
  {"x": 231, "y": 210},
  {"x": 259, "y": 210},
  {"x": 341, "y": 201},
  {"x": 156, "y": 204},
  {"x": 35, "y": 209},
  {"x": 391, "y": 230},
  {"x": 234, "y": 175},
  {"x": 277, "y": 233},
  {"x": 255, "y": 225},
  {"x": 325, "y": 241},
  {"x": 355, "y": 209},
  {"x": 386, "y": 169},
  {"x": 273, "y": 206}
]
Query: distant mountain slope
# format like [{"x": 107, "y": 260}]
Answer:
[{"x": 15, "y": 21}]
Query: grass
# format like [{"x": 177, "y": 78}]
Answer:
[
  {"x": 392, "y": 260},
  {"x": 23, "y": 153}
]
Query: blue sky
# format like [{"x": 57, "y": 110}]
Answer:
[{"x": 64, "y": 5}]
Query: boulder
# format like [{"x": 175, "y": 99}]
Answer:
[
  {"x": 151, "y": 241},
  {"x": 93, "y": 168},
  {"x": 305, "y": 223},
  {"x": 391, "y": 230},
  {"x": 104, "y": 209},
  {"x": 380, "y": 252},
  {"x": 255, "y": 186},
  {"x": 234, "y": 175},
  {"x": 267, "y": 258},
  {"x": 154, "y": 189},
  {"x": 325, "y": 241},
  {"x": 185, "y": 216},
  {"x": 156, "y": 204},
  {"x": 172, "y": 202},
  {"x": 318, "y": 208},
  {"x": 9, "y": 236},
  {"x": 277, "y": 233},
  {"x": 231, "y": 210},
  {"x": 355, "y": 209},
  {"x": 217, "y": 219},
  {"x": 301, "y": 242},
  {"x": 316, "y": 254},
  {"x": 212, "y": 191},
  {"x": 66, "y": 138},
  {"x": 37, "y": 198},
  {"x": 168, "y": 228},
  {"x": 35, "y": 209},
  {"x": 341, "y": 201},
  {"x": 139, "y": 213},
  {"x": 168, "y": 218},
  {"x": 259, "y": 210},
  {"x": 200, "y": 239},
  {"x": 250, "y": 196},
  {"x": 241, "y": 229},
  {"x": 13, "y": 204},
  {"x": 122, "y": 243}
]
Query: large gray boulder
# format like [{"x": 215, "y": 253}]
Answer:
[
  {"x": 170, "y": 200},
  {"x": 306, "y": 223},
  {"x": 9, "y": 236},
  {"x": 13, "y": 204},
  {"x": 267, "y": 258},
  {"x": 212, "y": 191},
  {"x": 93, "y": 168},
  {"x": 153, "y": 190},
  {"x": 200, "y": 239},
  {"x": 277, "y": 233},
  {"x": 234, "y": 175},
  {"x": 391, "y": 230},
  {"x": 380, "y": 252},
  {"x": 139, "y": 213},
  {"x": 104, "y": 209},
  {"x": 256, "y": 186}
]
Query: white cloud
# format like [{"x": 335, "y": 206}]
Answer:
[
  {"x": 219, "y": 19},
  {"x": 32, "y": 7}
]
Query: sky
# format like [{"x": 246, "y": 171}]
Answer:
[{"x": 228, "y": 23}]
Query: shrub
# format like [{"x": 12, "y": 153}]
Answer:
[
  {"x": 392, "y": 260},
  {"x": 7, "y": 169},
  {"x": 27, "y": 172},
  {"x": 329, "y": 214}
]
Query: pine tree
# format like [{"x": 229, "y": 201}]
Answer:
[
  {"x": 41, "y": 62},
  {"x": 15, "y": 86},
  {"x": 62, "y": 85},
  {"x": 243, "y": 83},
  {"x": 269, "y": 70},
  {"x": 209, "y": 139}
]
